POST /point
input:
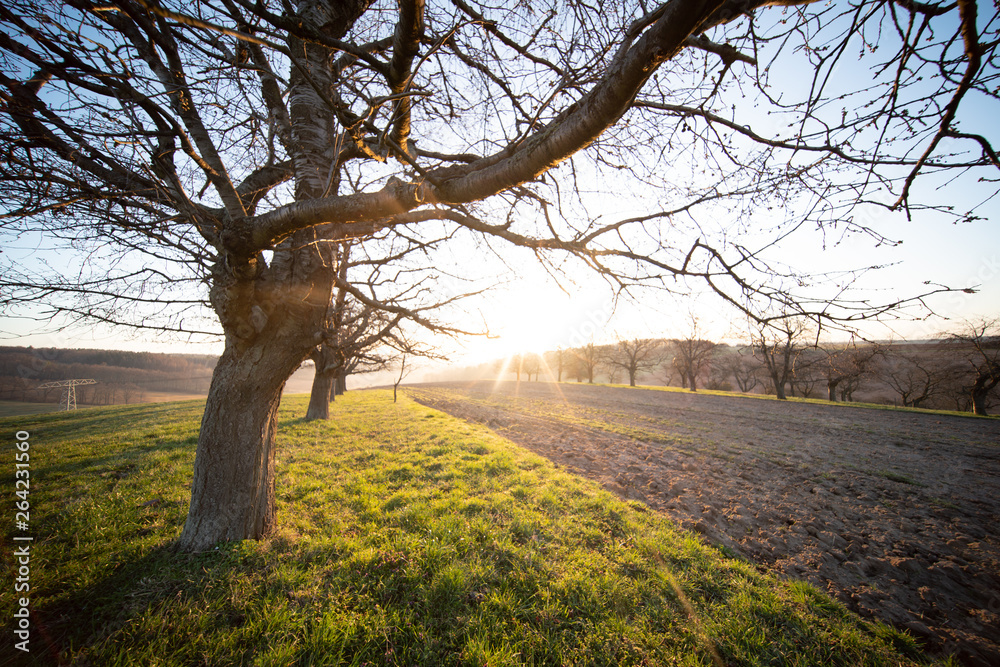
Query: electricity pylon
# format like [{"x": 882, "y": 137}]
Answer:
[{"x": 68, "y": 400}]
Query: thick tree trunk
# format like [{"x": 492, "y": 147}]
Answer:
[
  {"x": 831, "y": 390},
  {"x": 692, "y": 385},
  {"x": 232, "y": 493},
  {"x": 340, "y": 386},
  {"x": 631, "y": 378},
  {"x": 273, "y": 315},
  {"x": 324, "y": 381},
  {"x": 979, "y": 403},
  {"x": 985, "y": 383},
  {"x": 320, "y": 396},
  {"x": 779, "y": 386}
]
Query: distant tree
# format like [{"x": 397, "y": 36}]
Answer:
[
  {"x": 533, "y": 365},
  {"x": 130, "y": 392},
  {"x": 367, "y": 313},
  {"x": 613, "y": 372},
  {"x": 587, "y": 358},
  {"x": 561, "y": 359},
  {"x": 515, "y": 364},
  {"x": 720, "y": 370},
  {"x": 744, "y": 368},
  {"x": 978, "y": 345},
  {"x": 667, "y": 372},
  {"x": 917, "y": 376},
  {"x": 404, "y": 370},
  {"x": 692, "y": 354},
  {"x": 845, "y": 366},
  {"x": 777, "y": 345},
  {"x": 634, "y": 356}
]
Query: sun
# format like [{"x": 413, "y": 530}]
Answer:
[{"x": 532, "y": 319}]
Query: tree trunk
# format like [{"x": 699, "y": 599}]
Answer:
[
  {"x": 831, "y": 389},
  {"x": 779, "y": 385},
  {"x": 319, "y": 398},
  {"x": 691, "y": 382},
  {"x": 340, "y": 386},
  {"x": 985, "y": 382},
  {"x": 631, "y": 378},
  {"x": 325, "y": 359},
  {"x": 232, "y": 493}
]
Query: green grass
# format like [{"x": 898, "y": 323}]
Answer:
[
  {"x": 897, "y": 477},
  {"x": 406, "y": 537},
  {"x": 17, "y": 408}
]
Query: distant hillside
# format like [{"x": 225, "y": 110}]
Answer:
[{"x": 122, "y": 376}]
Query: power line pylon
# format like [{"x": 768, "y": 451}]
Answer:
[{"x": 68, "y": 400}]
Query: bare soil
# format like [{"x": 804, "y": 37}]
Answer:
[{"x": 896, "y": 514}]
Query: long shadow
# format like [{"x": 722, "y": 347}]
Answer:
[{"x": 70, "y": 620}]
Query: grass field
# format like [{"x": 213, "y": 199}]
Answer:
[
  {"x": 16, "y": 408},
  {"x": 406, "y": 537}
]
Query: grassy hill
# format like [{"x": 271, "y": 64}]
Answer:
[{"x": 406, "y": 537}]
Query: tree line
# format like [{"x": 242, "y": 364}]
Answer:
[
  {"x": 959, "y": 370},
  {"x": 123, "y": 376}
]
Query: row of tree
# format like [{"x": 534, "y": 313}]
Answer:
[{"x": 958, "y": 370}]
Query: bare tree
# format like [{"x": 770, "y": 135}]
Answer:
[
  {"x": 692, "y": 354},
  {"x": 613, "y": 371},
  {"x": 778, "y": 346},
  {"x": 354, "y": 329},
  {"x": 978, "y": 345},
  {"x": 404, "y": 370},
  {"x": 198, "y": 150},
  {"x": 844, "y": 366},
  {"x": 531, "y": 364},
  {"x": 667, "y": 372},
  {"x": 720, "y": 369},
  {"x": 515, "y": 364},
  {"x": 917, "y": 376},
  {"x": 560, "y": 359},
  {"x": 634, "y": 356},
  {"x": 587, "y": 359},
  {"x": 744, "y": 368}
]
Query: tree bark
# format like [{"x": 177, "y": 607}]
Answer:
[
  {"x": 232, "y": 493},
  {"x": 320, "y": 396},
  {"x": 831, "y": 389},
  {"x": 984, "y": 384},
  {"x": 324, "y": 382}
]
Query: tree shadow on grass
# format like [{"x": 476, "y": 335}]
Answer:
[{"x": 82, "y": 619}]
